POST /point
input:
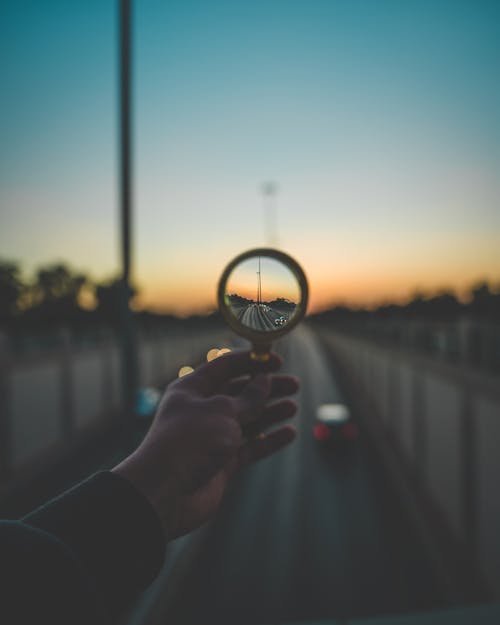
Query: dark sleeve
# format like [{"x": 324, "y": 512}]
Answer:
[
  {"x": 41, "y": 581},
  {"x": 88, "y": 552}
]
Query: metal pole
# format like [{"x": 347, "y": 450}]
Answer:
[
  {"x": 259, "y": 290},
  {"x": 269, "y": 190},
  {"x": 5, "y": 413},
  {"x": 129, "y": 353}
]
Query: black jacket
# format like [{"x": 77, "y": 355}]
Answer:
[{"x": 81, "y": 558}]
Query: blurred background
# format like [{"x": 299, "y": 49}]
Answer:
[{"x": 146, "y": 144}]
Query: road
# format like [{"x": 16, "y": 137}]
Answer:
[
  {"x": 259, "y": 317},
  {"x": 305, "y": 534}
]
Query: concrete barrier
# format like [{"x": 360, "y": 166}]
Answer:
[
  {"x": 48, "y": 401},
  {"x": 446, "y": 419}
]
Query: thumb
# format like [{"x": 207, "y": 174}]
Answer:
[{"x": 252, "y": 399}]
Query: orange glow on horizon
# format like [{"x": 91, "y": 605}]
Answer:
[
  {"x": 355, "y": 272},
  {"x": 325, "y": 292}
]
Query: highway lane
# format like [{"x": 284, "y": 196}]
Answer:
[
  {"x": 259, "y": 318},
  {"x": 306, "y": 534}
]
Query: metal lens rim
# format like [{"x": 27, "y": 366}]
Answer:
[{"x": 261, "y": 335}]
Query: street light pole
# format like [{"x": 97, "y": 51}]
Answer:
[
  {"x": 259, "y": 286},
  {"x": 269, "y": 191},
  {"x": 129, "y": 352}
]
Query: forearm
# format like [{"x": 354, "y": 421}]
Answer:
[
  {"x": 112, "y": 533},
  {"x": 42, "y": 581}
]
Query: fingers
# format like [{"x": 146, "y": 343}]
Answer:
[
  {"x": 271, "y": 415},
  {"x": 266, "y": 445},
  {"x": 251, "y": 401},
  {"x": 256, "y": 393},
  {"x": 250, "y": 404},
  {"x": 280, "y": 385},
  {"x": 211, "y": 376}
]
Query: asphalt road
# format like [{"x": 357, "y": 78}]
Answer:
[
  {"x": 307, "y": 534},
  {"x": 256, "y": 317}
]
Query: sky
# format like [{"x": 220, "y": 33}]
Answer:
[
  {"x": 273, "y": 278},
  {"x": 377, "y": 120}
]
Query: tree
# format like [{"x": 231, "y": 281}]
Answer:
[
  {"x": 444, "y": 305},
  {"x": 109, "y": 300},
  {"x": 11, "y": 288},
  {"x": 53, "y": 297},
  {"x": 484, "y": 302},
  {"x": 108, "y": 296}
]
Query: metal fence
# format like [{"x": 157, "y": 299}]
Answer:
[
  {"x": 469, "y": 342},
  {"x": 49, "y": 400},
  {"x": 446, "y": 420}
]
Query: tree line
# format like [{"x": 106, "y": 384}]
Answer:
[
  {"x": 481, "y": 302},
  {"x": 55, "y": 296}
]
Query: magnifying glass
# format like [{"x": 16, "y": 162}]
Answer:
[{"x": 262, "y": 295}]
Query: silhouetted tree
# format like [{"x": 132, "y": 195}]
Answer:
[
  {"x": 109, "y": 300},
  {"x": 283, "y": 304},
  {"x": 484, "y": 302},
  {"x": 416, "y": 305},
  {"x": 53, "y": 297},
  {"x": 108, "y": 296},
  {"x": 11, "y": 288},
  {"x": 443, "y": 306},
  {"x": 239, "y": 300}
]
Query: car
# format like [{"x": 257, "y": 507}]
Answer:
[
  {"x": 280, "y": 321},
  {"x": 334, "y": 425}
]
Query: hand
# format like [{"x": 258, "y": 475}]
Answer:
[{"x": 195, "y": 443}]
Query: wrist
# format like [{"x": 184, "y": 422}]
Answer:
[
  {"x": 151, "y": 483},
  {"x": 111, "y": 529}
]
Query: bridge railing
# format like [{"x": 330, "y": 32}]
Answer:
[
  {"x": 446, "y": 419},
  {"x": 51, "y": 400},
  {"x": 466, "y": 341}
]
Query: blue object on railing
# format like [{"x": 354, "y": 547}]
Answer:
[{"x": 147, "y": 401}]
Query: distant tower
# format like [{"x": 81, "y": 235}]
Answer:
[
  {"x": 269, "y": 192},
  {"x": 259, "y": 286}
]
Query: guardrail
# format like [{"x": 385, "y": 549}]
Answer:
[
  {"x": 464, "y": 342},
  {"x": 446, "y": 420},
  {"x": 49, "y": 401}
]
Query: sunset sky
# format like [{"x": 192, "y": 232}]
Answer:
[
  {"x": 274, "y": 278},
  {"x": 378, "y": 120}
]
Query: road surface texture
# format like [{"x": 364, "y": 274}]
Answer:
[
  {"x": 308, "y": 533},
  {"x": 259, "y": 317}
]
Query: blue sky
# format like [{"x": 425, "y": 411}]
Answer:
[{"x": 378, "y": 120}]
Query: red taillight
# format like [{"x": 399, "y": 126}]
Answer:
[
  {"x": 321, "y": 432},
  {"x": 350, "y": 431}
]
